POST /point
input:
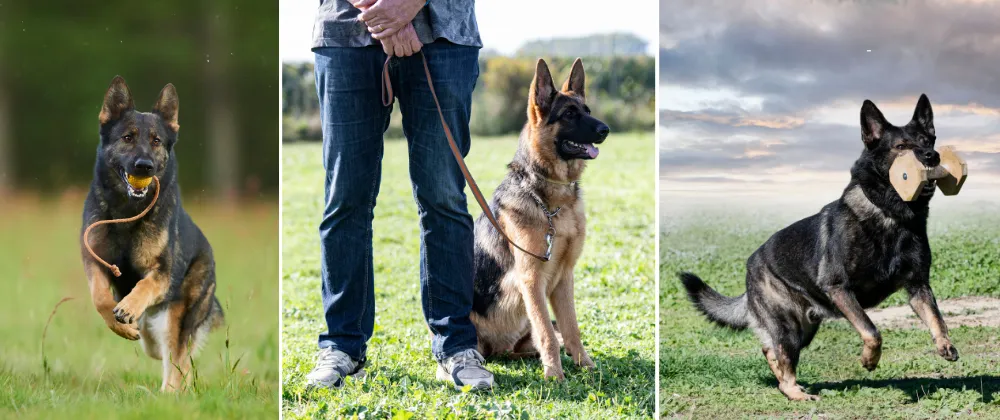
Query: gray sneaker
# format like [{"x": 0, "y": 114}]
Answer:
[
  {"x": 465, "y": 368},
  {"x": 332, "y": 366}
]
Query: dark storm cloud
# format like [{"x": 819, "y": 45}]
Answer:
[{"x": 793, "y": 57}]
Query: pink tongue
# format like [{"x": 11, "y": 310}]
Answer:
[{"x": 592, "y": 151}]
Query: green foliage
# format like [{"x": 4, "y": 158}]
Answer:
[
  {"x": 56, "y": 63},
  {"x": 708, "y": 372},
  {"x": 620, "y": 91},
  {"x": 614, "y": 298},
  {"x": 88, "y": 371}
]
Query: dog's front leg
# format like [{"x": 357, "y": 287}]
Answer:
[
  {"x": 542, "y": 331},
  {"x": 104, "y": 302},
  {"x": 147, "y": 292},
  {"x": 565, "y": 312},
  {"x": 925, "y": 306},
  {"x": 848, "y": 305}
]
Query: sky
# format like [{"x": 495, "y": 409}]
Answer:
[
  {"x": 763, "y": 98},
  {"x": 503, "y": 24}
]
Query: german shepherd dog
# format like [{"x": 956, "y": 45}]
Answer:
[
  {"x": 511, "y": 287},
  {"x": 851, "y": 256},
  {"x": 165, "y": 296}
]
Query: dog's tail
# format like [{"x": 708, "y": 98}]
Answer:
[{"x": 722, "y": 310}]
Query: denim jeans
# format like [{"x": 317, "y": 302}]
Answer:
[{"x": 354, "y": 120}]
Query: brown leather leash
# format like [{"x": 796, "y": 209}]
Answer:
[
  {"x": 387, "y": 100},
  {"x": 114, "y": 268}
]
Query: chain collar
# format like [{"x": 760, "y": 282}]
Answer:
[{"x": 551, "y": 232}]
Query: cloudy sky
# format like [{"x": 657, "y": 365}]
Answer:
[
  {"x": 763, "y": 97},
  {"x": 503, "y": 24}
]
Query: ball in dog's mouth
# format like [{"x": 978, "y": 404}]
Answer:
[{"x": 137, "y": 186}]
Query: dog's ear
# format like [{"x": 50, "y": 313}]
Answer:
[
  {"x": 923, "y": 115},
  {"x": 167, "y": 105},
  {"x": 542, "y": 93},
  {"x": 117, "y": 100},
  {"x": 576, "y": 81},
  {"x": 873, "y": 124}
]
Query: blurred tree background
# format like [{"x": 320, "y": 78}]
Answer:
[
  {"x": 621, "y": 81},
  {"x": 57, "y": 59}
]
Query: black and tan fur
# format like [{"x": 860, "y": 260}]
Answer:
[
  {"x": 851, "y": 256},
  {"x": 511, "y": 287},
  {"x": 165, "y": 296}
]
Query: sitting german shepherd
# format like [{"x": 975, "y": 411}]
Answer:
[
  {"x": 165, "y": 296},
  {"x": 541, "y": 190},
  {"x": 851, "y": 256}
]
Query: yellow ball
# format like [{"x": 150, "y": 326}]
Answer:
[{"x": 139, "y": 183}]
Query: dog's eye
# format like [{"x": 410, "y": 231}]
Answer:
[
  {"x": 127, "y": 138},
  {"x": 156, "y": 141},
  {"x": 901, "y": 146},
  {"x": 569, "y": 114}
]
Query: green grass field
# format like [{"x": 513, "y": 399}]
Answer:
[
  {"x": 93, "y": 373},
  {"x": 711, "y": 372},
  {"x": 615, "y": 283}
]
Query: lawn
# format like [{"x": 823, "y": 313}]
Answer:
[
  {"x": 615, "y": 283},
  {"x": 709, "y": 372},
  {"x": 93, "y": 373}
]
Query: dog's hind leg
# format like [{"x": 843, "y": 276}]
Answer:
[
  {"x": 925, "y": 306},
  {"x": 565, "y": 312},
  {"x": 176, "y": 360},
  {"x": 848, "y": 305},
  {"x": 782, "y": 353}
]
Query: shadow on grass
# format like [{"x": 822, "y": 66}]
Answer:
[{"x": 916, "y": 388}]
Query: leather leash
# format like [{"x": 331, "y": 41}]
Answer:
[
  {"x": 387, "y": 100},
  {"x": 114, "y": 268}
]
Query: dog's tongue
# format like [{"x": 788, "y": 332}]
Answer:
[{"x": 592, "y": 151}]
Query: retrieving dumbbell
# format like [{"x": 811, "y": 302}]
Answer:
[{"x": 909, "y": 176}]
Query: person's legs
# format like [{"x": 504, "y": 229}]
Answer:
[
  {"x": 348, "y": 84},
  {"x": 446, "y": 246}
]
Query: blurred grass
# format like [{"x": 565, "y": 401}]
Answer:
[
  {"x": 615, "y": 280},
  {"x": 95, "y": 373},
  {"x": 710, "y": 372}
]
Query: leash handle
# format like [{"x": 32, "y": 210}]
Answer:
[
  {"x": 114, "y": 268},
  {"x": 388, "y": 98}
]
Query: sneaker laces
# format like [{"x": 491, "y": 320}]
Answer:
[
  {"x": 328, "y": 358},
  {"x": 468, "y": 357}
]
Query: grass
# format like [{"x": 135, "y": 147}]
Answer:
[
  {"x": 88, "y": 371},
  {"x": 713, "y": 372},
  {"x": 615, "y": 281}
]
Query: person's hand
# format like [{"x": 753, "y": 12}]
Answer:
[
  {"x": 403, "y": 43},
  {"x": 385, "y": 18}
]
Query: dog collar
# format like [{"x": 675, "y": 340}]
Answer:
[
  {"x": 551, "y": 232},
  {"x": 558, "y": 182}
]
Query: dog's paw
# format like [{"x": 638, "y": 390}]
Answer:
[
  {"x": 586, "y": 363},
  {"x": 948, "y": 352},
  {"x": 870, "y": 357},
  {"x": 554, "y": 373},
  {"x": 797, "y": 393},
  {"x": 128, "y": 310},
  {"x": 126, "y": 331}
]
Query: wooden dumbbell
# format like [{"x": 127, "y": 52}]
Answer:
[{"x": 909, "y": 176}]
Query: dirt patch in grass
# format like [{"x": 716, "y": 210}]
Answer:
[{"x": 973, "y": 311}]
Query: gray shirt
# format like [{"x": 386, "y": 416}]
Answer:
[{"x": 337, "y": 24}]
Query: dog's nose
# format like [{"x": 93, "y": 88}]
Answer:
[
  {"x": 143, "y": 166},
  {"x": 603, "y": 131},
  {"x": 931, "y": 157}
]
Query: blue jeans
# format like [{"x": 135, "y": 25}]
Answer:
[{"x": 354, "y": 120}]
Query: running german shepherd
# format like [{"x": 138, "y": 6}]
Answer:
[
  {"x": 541, "y": 189},
  {"x": 165, "y": 296},
  {"x": 851, "y": 256}
]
